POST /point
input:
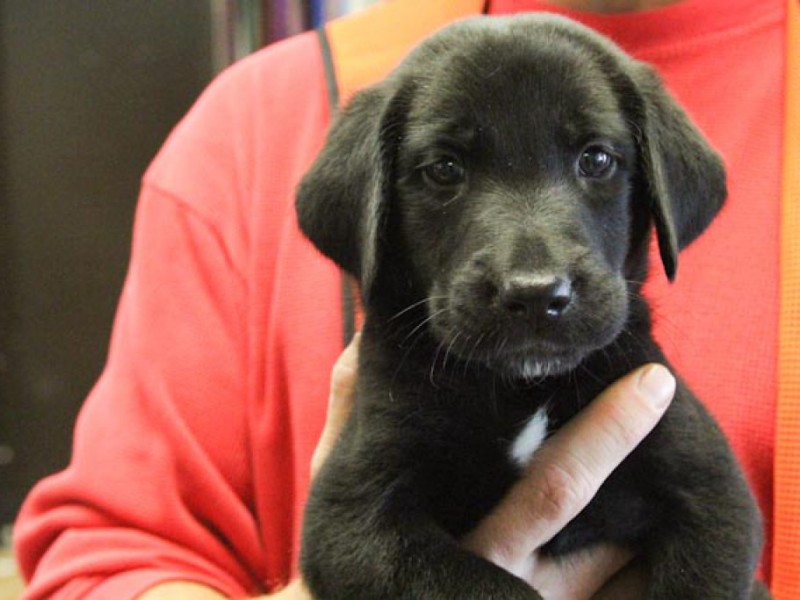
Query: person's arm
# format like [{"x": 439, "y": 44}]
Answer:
[
  {"x": 160, "y": 486},
  {"x": 184, "y": 590},
  {"x": 563, "y": 478},
  {"x": 340, "y": 402},
  {"x": 154, "y": 489}
]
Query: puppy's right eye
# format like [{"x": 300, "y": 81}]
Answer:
[
  {"x": 596, "y": 162},
  {"x": 445, "y": 172}
]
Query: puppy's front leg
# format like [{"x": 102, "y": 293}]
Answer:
[
  {"x": 389, "y": 548},
  {"x": 708, "y": 542},
  {"x": 712, "y": 559}
]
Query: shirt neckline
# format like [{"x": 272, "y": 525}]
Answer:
[{"x": 667, "y": 28}]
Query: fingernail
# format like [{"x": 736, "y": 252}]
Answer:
[{"x": 657, "y": 385}]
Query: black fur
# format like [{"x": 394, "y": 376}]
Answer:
[{"x": 501, "y": 272}]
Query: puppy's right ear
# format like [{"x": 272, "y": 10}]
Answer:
[
  {"x": 341, "y": 201},
  {"x": 685, "y": 176}
]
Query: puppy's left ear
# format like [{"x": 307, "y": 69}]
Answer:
[
  {"x": 683, "y": 176},
  {"x": 342, "y": 201}
]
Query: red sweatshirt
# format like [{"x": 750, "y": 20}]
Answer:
[{"x": 192, "y": 452}]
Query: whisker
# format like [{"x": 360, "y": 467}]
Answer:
[
  {"x": 635, "y": 281},
  {"x": 408, "y": 349},
  {"x": 582, "y": 366},
  {"x": 414, "y": 305},
  {"x": 449, "y": 349},
  {"x": 468, "y": 359},
  {"x": 431, "y": 377},
  {"x": 424, "y": 322}
]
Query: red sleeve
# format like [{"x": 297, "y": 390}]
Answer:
[
  {"x": 160, "y": 486},
  {"x": 150, "y": 435}
]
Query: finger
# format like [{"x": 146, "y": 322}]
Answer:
[
  {"x": 630, "y": 583},
  {"x": 578, "y": 575},
  {"x": 340, "y": 401},
  {"x": 343, "y": 385},
  {"x": 566, "y": 472}
]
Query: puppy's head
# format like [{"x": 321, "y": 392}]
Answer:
[{"x": 503, "y": 179}]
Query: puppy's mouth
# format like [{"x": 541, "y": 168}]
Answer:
[
  {"x": 522, "y": 350},
  {"x": 537, "y": 364},
  {"x": 528, "y": 362}
]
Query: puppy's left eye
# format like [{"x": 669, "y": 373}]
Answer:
[
  {"x": 445, "y": 172},
  {"x": 597, "y": 163}
]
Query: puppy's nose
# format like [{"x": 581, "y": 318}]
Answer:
[{"x": 532, "y": 295}]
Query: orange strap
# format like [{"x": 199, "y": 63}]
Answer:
[
  {"x": 786, "y": 526},
  {"x": 365, "y": 46},
  {"x": 361, "y": 49}
]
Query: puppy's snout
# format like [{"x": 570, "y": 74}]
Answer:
[{"x": 536, "y": 296}]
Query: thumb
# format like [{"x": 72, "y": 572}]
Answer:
[{"x": 340, "y": 401}]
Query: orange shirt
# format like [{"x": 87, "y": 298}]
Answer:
[{"x": 192, "y": 452}]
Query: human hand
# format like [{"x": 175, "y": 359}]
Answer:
[
  {"x": 340, "y": 402},
  {"x": 564, "y": 475}
]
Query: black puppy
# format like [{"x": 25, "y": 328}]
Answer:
[{"x": 494, "y": 198}]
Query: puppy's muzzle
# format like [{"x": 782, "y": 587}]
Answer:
[{"x": 540, "y": 317}]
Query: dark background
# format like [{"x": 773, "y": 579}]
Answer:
[
  {"x": 89, "y": 89},
  {"x": 88, "y": 92}
]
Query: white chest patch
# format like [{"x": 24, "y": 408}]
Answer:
[{"x": 529, "y": 439}]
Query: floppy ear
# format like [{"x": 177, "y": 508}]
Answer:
[
  {"x": 342, "y": 200},
  {"x": 683, "y": 176}
]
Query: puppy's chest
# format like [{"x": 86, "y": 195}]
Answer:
[
  {"x": 476, "y": 462},
  {"x": 477, "y": 456}
]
